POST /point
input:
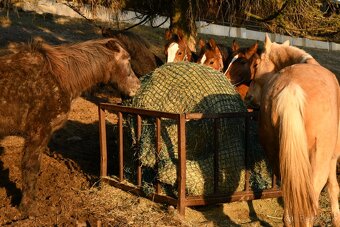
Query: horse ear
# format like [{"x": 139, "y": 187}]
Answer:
[
  {"x": 252, "y": 50},
  {"x": 212, "y": 43},
  {"x": 180, "y": 33},
  {"x": 267, "y": 43},
  {"x": 168, "y": 34},
  {"x": 201, "y": 43},
  {"x": 112, "y": 45},
  {"x": 105, "y": 32},
  {"x": 235, "y": 46},
  {"x": 286, "y": 43}
]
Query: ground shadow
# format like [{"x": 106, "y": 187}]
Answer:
[
  {"x": 77, "y": 144},
  {"x": 12, "y": 190}
]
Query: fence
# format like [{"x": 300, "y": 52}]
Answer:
[{"x": 182, "y": 200}]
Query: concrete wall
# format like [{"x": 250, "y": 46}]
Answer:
[{"x": 103, "y": 14}]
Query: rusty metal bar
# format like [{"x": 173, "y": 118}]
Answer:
[
  {"x": 158, "y": 149},
  {"x": 183, "y": 200},
  {"x": 274, "y": 186},
  {"x": 197, "y": 116},
  {"x": 216, "y": 154},
  {"x": 102, "y": 142},
  {"x": 137, "y": 191},
  {"x": 246, "y": 155},
  {"x": 121, "y": 146},
  {"x": 181, "y": 168},
  {"x": 139, "y": 166},
  {"x": 236, "y": 196},
  {"x": 133, "y": 110}
]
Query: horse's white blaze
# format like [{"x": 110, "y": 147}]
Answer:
[
  {"x": 232, "y": 61},
  {"x": 172, "y": 50},
  {"x": 203, "y": 59}
]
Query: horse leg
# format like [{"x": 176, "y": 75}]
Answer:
[
  {"x": 333, "y": 192},
  {"x": 35, "y": 144}
]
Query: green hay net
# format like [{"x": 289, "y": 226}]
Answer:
[{"x": 193, "y": 88}]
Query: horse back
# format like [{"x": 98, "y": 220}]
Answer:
[
  {"x": 30, "y": 95},
  {"x": 321, "y": 107}
]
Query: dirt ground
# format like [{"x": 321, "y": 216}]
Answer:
[{"x": 69, "y": 190}]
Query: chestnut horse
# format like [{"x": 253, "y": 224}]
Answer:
[
  {"x": 38, "y": 85},
  {"x": 177, "y": 48},
  {"x": 299, "y": 128},
  {"x": 143, "y": 60},
  {"x": 212, "y": 54},
  {"x": 236, "y": 63}
]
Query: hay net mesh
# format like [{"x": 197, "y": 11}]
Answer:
[{"x": 193, "y": 88}]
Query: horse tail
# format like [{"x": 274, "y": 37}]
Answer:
[{"x": 295, "y": 167}]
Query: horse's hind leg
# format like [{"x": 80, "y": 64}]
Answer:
[
  {"x": 35, "y": 144},
  {"x": 333, "y": 192}
]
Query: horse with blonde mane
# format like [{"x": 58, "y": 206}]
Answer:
[
  {"x": 298, "y": 127},
  {"x": 38, "y": 85}
]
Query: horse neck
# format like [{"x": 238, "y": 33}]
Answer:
[
  {"x": 77, "y": 67},
  {"x": 289, "y": 55}
]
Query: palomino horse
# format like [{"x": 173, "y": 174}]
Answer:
[
  {"x": 38, "y": 85},
  {"x": 143, "y": 60},
  {"x": 211, "y": 55},
  {"x": 299, "y": 128},
  {"x": 177, "y": 48}
]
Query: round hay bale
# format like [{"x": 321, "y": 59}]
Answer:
[{"x": 192, "y": 88}]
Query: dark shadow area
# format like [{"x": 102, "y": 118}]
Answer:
[
  {"x": 77, "y": 145},
  {"x": 217, "y": 217},
  {"x": 24, "y": 27},
  {"x": 11, "y": 189}
]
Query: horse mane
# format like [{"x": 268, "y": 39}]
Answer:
[
  {"x": 129, "y": 40},
  {"x": 76, "y": 66},
  {"x": 143, "y": 60},
  {"x": 283, "y": 56}
]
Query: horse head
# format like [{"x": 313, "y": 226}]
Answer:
[
  {"x": 274, "y": 57},
  {"x": 177, "y": 49},
  {"x": 241, "y": 65},
  {"x": 119, "y": 71},
  {"x": 210, "y": 55}
]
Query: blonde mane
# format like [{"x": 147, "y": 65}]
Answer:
[{"x": 283, "y": 56}]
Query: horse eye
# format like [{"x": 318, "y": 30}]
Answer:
[
  {"x": 211, "y": 62},
  {"x": 179, "y": 53}
]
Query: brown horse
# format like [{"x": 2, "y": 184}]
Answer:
[
  {"x": 177, "y": 48},
  {"x": 143, "y": 60},
  {"x": 240, "y": 66},
  {"x": 299, "y": 128},
  {"x": 236, "y": 63},
  {"x": 38, "y": 85},
  {"x": 211, "y": 54}
]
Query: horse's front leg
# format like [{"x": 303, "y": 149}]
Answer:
[{"x": 35, "y": 144}]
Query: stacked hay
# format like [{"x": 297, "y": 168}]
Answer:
[{"x": 193, "y": 88}]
